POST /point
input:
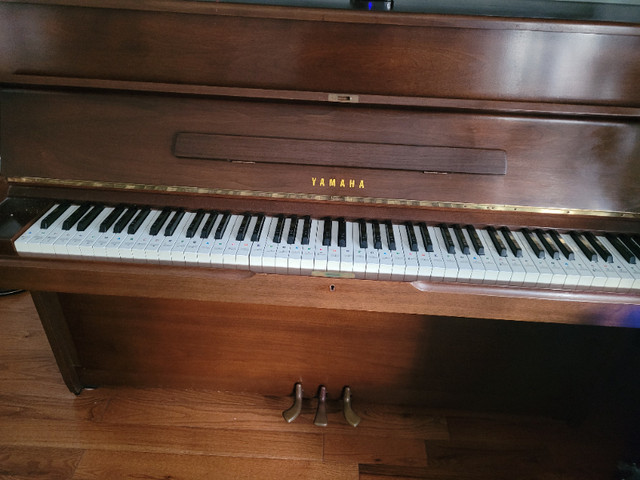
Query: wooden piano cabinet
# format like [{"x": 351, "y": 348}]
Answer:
[{"x": 384, "y": 357}]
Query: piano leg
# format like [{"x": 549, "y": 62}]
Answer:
[{"x": 57, "y": 331}]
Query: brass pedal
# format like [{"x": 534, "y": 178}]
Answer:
[
  {"x": 321, "y": 419},
  {"x": 349, "y": 415},
  {"x": 294, "y": 411}
]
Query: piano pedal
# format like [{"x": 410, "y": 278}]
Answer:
[
  {"x": 294, "y": 411},
  {"x": 349, "y": 415},
  {"x": 321, "y": 419}
]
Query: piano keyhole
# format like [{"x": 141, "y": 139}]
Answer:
[{"x": 332, "y": 288}]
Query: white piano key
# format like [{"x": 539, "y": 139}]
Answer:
[
  {"x": 321, "y": 255},
  {"x": 232, "y": 244},
  {"x": 126, "y": 249},
  {"x": 399, "y": 265},
  {"x": 629, "y": 273},
  {"x": 531, "y": 272},
  {"x": 478, "y": 268},
  {"x": 139, "y": 249},
  {"x": 182, "y": 241},
  {"x": 244, "y": 247},
  {"x": 307, "y": 260},
  {"x": 359, "y": 266},
  {"x": 504, "y": 268},
  {"x": 258, "y": 247},
  {"x": 438, "y": 265},
  {"x": 449, "y": 259},
  {"x": 87, "y": 246},
  {"x": 203, "y": 255},
  {"x": 346, "y": 252},
  {"x": 598, "y": 277},
  {"x": 35, "y": 233},
  {"x": 372, "y": 254},
  {"x": 270, "y": 249},
  {"x": 410, "y": 257}
]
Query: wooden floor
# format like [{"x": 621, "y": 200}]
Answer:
[{"x": 48, "y": 433}]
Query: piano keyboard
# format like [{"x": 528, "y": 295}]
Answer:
[{"x": 371, "y": 249}]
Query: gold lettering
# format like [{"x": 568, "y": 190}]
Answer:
[{"x": 336, "y": 182}]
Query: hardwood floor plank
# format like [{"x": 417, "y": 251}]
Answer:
[
  {"x": 374, "y": 449},
  {"x": 177, "y": 440},
  {"x": 30, "y": 463},
  {"x": 27, "y": 365},
  {"x": 89, "y": 406},
  {"x": 134, "y": 465}
]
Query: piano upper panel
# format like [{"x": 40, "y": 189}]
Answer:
[
  {"x": 319, "y": 152},
  {"x": 313, "y": 50}
]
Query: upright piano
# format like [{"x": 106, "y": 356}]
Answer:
[{"x": 429, "y": 204}]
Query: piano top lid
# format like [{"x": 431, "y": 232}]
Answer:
[{"x": 615, "y": 11}]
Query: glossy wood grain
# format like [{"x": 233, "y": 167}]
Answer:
[
  {"x": 126, "y": 139},
  {"x": 231, "y": 286},
  {"x": 297, "y": 49}
]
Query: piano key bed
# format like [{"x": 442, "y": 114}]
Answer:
[{"x": 335, "y": 247}]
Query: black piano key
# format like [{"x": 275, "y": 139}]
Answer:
[
  {"x": 584, "y": 246},
  {"x": 362, "y": 233},
  {"x": 462, "y": 241},
  {"x": 76, "y": 216},
  {"x": 548, "y": 243},
  {"x": 326, "y": 233},
  {"x": 426, "y": 237},
  {"x": 448, "y": 241},
  {"x": 173, "y": 223},
  {"x": 222, "y": 226},
  {"x": 47, "y": 221},
  {"x": 293, "y": 230},
  {"x": 631, "y": 244},
  {"x": 377, "y": 238},
  {"x": 562, "y": 244},
  {"x": 342, "y": 232},
  {"x": 124, "y": 220},
  {"x": 277, "y": 235},
  {"x": 497, "y": 241},
  {"x": 138, "y": 221},
  {"x": 515, "y": 247},
  {"x": 621, "y": 248},
  {"x": 533, "y": 242},
  {"x": 195, "y": 223},
  {"x": 111, "y": 218},
  {"x": 411, "y": 236},
  {"x": 475, "y": 239},
  {"x": 89, "y": 218},
  {"x": 599, "y": 247},
  {"x": 306, "y": 230},
  {"x": 159, "y": 222},
  {"x": 391, "y": 238},
  {"x": 208, "y": 225},
  {"x": 257, "y": 229},
  {"x": 244, "y": 227}
]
